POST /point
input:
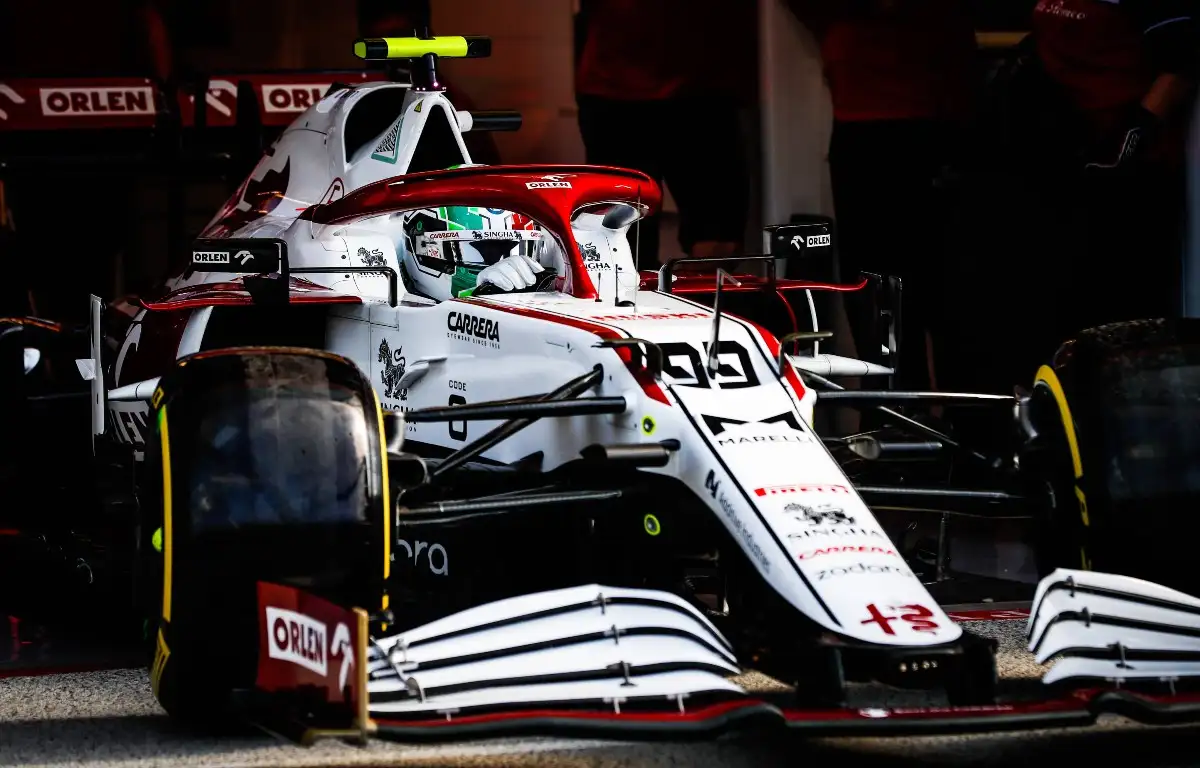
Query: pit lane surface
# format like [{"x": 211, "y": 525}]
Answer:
[{"x": 109, "y": 718}]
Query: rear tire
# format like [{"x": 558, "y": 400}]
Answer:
[{"x": 1118, "y": 451}]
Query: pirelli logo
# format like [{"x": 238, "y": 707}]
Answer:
[{"x": 783, "y": 490}]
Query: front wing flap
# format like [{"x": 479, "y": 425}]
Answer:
[
  {"x": 582, "y": 659},
  {"x": 641, "y": 664}
]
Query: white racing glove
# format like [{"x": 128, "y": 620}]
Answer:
[{"x": 512, "y": 273}]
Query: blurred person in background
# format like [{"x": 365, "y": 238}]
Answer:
[
  {"x": 406, "y": 18},
  {"x": 660, "y": 86},
  {"x": 126, "y": 38},
  {"x": 902, "y": 80},
  {"x": 1127, "y": 71},
  {"x": 1082, "y": 217}
]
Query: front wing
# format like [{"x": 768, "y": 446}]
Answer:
[{"x": 639, "y": 664}]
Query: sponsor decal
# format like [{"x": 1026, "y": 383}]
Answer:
[
  {"x": 798, "y": 437},
  {"x": 717, "y": 424},
  {"x": 685, "y": 365},
  {"x": 553, "y": 181},
  {"x": 918, "y": 617},
  {"x": 393, "y": 370},
  {"x": 836, "y": 532},
  {"x": 775, "y": 490},
  {"x": 822, "y": 514},
  {"x": 241, "y": 257},
  {"x": 371, "y": 258},
  {"x": 713, "y": 486},
  {"x": 441, "y": 235},
  {"x": 655, "y": 316},
  {"x": 460, "y": 386},
  {"x": 1056, "y": 8},
  {"x": 860, "y": 550},
  {"x": 810, "y": 241},
  {"x": 504, "y": 234},
  {"x": 592, "y": 258},
  {"x": 210, "y": 257},
  {"x": 435, "y": 556},
  {"x": 292, "y": 97},
  {"x": 298, "y": 639},
  {"x": 860, "y": 569},
  {"x": 478, "y": 330},
  {"x": 388, "y": 148},
  {"x": 72, "y": 102},
  {"x": 131, "y": 421}
]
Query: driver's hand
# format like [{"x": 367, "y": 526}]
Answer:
[{"x": 512, "y": 273}]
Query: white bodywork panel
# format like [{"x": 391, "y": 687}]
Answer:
[{"x": 1099, "y": 625}]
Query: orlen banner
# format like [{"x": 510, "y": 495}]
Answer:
[{"x": 307, "y": 642}]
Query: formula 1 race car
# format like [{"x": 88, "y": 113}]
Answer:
[{"x": 367, "y": 489}]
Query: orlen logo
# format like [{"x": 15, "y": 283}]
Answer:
[
  {"x": 58, "y": 102},
  {"x": 846, "y": 550},
  {"x": 292, "y": 98},
  {"x": 297, "y": 638},
  {"x": 553, "y": 181},
  {"x": 211, "y": 257},
  {"x": 774, "y": 490}
]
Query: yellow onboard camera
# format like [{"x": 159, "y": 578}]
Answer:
[{"x": 390, "y": 48}]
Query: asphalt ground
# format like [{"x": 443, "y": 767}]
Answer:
[{"x": 108, "y": 718}]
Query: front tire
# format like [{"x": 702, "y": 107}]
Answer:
[{"x": 1118, "y": 451}]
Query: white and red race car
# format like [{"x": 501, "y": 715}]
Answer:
[{"x": 591, "y": 501}]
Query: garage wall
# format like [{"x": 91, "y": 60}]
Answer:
[
  {"x": 531, "y": 70},
  {"x": 796, "y": 117}
]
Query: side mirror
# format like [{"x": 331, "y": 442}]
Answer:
[{"x": 807, "y": 238}]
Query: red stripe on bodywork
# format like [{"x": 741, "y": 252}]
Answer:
[
  {"x": 230, "y": 294},
  {"x": 643, "y": 377},
  {"x": 715, "y": 710},
  {"x": 789, "y": 373},
  {"x": 705, "y": 282}
]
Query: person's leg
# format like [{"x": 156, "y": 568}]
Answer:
[
  {"x": 624, "y": 134},
  {"x": 705, "y": 168}
]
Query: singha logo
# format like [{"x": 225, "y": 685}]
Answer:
[
  {"x": 826, "y": 513},
  {"x": 372, "y": 258},
  {"x": 592, "y": 258},
  {"x": 393, "y": 371}
]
